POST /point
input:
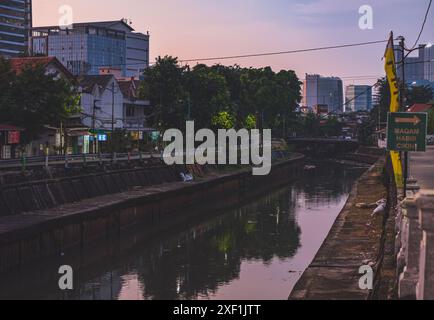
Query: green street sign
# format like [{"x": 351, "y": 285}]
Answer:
[
  {"x": 407, "y": 131},
  {"x": 96, "y": 132}
]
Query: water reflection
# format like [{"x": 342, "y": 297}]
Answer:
[{"x": 257, "y": 251}]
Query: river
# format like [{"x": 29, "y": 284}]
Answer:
[{"x": 256, "y": 251}]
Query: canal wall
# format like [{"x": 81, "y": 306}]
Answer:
[
  {"x": 25, "y": 238},
  {"x": 49, "y": 193},
  {"x": 357, "y": 239}
]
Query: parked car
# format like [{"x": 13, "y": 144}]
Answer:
[{"x": 430, "y": 140}]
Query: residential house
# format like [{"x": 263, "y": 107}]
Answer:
[
  {"x": 102, "y": 105},
  {"x": 136, "y": 110},
  {"x": 54, "y": 138},
  {"x": 420, "y": 107}
]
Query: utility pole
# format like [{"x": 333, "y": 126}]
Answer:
[
  {"x": 113, "y": 115},
  {"x": 94, "y": 134},
  {"x": 403, "y": 103},
  {"x": 93, "y": 127},
  {"x": 61, "y": 138}
]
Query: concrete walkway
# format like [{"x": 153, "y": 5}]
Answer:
[
  {"x": 353, "y": 241},
  {"x": 422, "y": 168}
]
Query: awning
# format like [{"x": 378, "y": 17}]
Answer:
[
  {"x": 8, "y": 127},
  {"x": 77, "y": 132}
]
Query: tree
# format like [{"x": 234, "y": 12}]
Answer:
[
  {"x": 223, "y": 120},
  {"x": 33, "y": 99},
  {"x": 332, "y": 128},
  {"x": 265, "y": 98},
  {"x": 164, "y": 87},
  {"x": 7, "y": 78},
  {"x": 250, "y": 122},
  {"x": 272, "y": 96},
  {"x": 309, "y": 125},
  {"x": 419, "y": 94},
  {"x": 379, "y": 112},
  {"x": 209, "y": 95}
]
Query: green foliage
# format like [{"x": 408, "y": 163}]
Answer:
[
  {"x": 209, "y": 97},
  {"x": 119, "y": 141},
  {"x": 365, "y": 133},
  {"x": 379, "y": 113},
  {"x": 310, "y": 125},
  {"x": 250, "y": 122},
  {"x": 212, "y": 93},
  {"x": 419, "y": 94},
  {"x": 332, "y": 128},
  {"x": 223, "y": 120},
  {"x": 164, "y": 88},
  {"x": 33, "y": 99}
]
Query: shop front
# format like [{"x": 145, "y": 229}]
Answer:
[{"x": 10, "y": 139}]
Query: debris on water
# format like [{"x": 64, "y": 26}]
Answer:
[
  {"x": 309, "y": 167},
  {"x": 381, "y": 208},
  {"x": 366, "y": 205}
]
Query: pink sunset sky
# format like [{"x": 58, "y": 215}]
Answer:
[{"x": 208, "y": 28}]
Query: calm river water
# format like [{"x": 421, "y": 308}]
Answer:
[{"x": 255, "y": 251}]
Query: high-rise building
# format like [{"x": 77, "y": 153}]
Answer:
[
  {"x": 429, "y": 63},
  {"x": 15, "y": 26},
  {"x": 326, "y": 91},
  {"x": 358, "y": 98},
  {"x": 84, "y": 48},
  {"x": 414, "y": 66}
]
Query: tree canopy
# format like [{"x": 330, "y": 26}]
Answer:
[
  {"x": 33, "y": 99},
  {"x": 220, "y": 96}
]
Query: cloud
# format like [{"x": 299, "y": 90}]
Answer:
[{"x": 322, "y": 7}]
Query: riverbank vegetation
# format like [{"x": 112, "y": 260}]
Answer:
[{"x": 220, "y": 96}]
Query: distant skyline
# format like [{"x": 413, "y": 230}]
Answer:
[{"x": 205, "y": 28}]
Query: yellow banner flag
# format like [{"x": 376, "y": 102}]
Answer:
[
  {"x": 397, "y": 168},
  {"x": 391, "y": 75},
  {"x": 390, "y": 67}
]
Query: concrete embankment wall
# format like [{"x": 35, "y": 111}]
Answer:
[
  {"x": 51, "y": 233},
  {"x": 40, "y": 195}
]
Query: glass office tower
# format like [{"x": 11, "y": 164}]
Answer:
[
  {"x": 15, "y": 26},
  {"x": 84, "y": 48}
]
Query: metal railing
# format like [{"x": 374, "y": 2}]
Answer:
[{"x": 66, "y": 160}]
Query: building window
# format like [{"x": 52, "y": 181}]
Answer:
[{"x": 130, "y": 111}]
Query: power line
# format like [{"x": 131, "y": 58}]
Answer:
[
  {"x": 252, "y": 55},
  {"x": 284, "y": 52},
  {"x": 423, "y": 25},
  {"x": 416, "y": 62}
]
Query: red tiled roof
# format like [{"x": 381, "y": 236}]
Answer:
[
  {"x": 19, "y": 64},
  {"x": 420, "y": 107},
  {"x": 129, "y": 88}
]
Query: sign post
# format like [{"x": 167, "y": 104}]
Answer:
[{"x": 407, "y": 132}]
